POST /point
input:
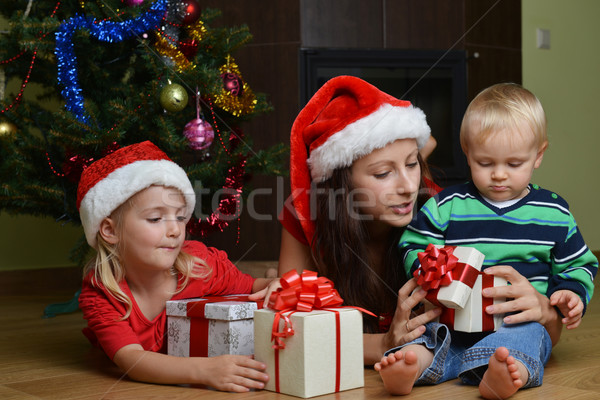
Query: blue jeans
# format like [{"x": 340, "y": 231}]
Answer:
[{"x": 466, "y": 355}]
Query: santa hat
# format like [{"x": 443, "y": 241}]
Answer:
[
  {"x": 345, "y": 120},
  {"x": 110, "y": 181}
]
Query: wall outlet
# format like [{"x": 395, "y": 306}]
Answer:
[{"x": 543, "y": 38}]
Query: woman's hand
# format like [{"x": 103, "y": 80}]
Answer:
[
  {"x": 524, "y": 302},
  {"x": 405, "y": 325}
]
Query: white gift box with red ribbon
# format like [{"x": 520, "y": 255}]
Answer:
[
  {"x": 322, "y": 356},
  {"x": 211, "y": 326},
  {"x": 453, "y": 279},
  {"x": 310, "y": 344}
]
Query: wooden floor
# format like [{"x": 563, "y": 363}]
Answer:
[{"x": 51, "y": 359}]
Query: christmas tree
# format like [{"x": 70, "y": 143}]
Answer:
[{"x": 116, "y": 72}]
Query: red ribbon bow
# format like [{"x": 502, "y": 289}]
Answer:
[
  {"x": 437, "y": 265},
  {"x": 305, "y": 293}
]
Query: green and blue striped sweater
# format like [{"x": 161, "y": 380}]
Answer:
[{"x": 537, "y": 236}]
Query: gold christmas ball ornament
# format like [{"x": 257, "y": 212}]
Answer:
[
  {"x": 7, "y": 129},
  {"x": 173, "y": 97}
]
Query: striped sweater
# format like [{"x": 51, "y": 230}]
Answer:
[{"x": 537, "y": 236}]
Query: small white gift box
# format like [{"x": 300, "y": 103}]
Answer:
[
  {"x": 463, "y": 306},
  {"x": 462, "y": 263},
  {"x": 211, "y": 326}
]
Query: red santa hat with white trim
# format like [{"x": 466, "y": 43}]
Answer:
[
  {"x": 113, "y": 179},
  {"x": 346, "y": 119}
]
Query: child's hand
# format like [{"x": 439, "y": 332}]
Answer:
[
  {"x": 229, "y": 372},
  {"x": 570, "y": 305},
  {"x": 266, "y": 292},
  {"x": 235, "y": 373}
]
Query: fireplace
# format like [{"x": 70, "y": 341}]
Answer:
[{"x": 434, "y": 81}]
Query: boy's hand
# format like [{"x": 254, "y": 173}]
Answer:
[{"x": 570, "y": 305}]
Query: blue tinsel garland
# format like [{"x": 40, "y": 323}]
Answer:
[{"x": 106, "y": 31}]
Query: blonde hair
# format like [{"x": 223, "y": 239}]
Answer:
[
  {"x": 504, "y": 106},
  {"x": 109, "y": 272}
]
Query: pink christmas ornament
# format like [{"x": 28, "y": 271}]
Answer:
[
  {"x": 233, "y": 84},
  {"x": 199, "y": 134},
  {"x": 134, "y": 3}
]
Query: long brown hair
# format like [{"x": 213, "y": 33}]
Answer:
[{"x": 341, "y": 254}]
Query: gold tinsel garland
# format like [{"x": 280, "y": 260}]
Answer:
[
  {"x": 197, "y": 31},
  {"x": 166, "y": 49}
]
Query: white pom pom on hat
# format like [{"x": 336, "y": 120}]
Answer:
[{"x": 113, "y": 179}]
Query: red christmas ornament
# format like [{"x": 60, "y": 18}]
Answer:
[
  {"x": 233, "y": 84},
  {"x": 189, "y": 48},
  {"x": 191, "y": 10},
  {"x": 199, "y": 134}
]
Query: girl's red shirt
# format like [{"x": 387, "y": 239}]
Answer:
[{"x": 103, "y": 312}]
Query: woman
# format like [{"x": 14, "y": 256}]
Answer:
[
  {"x": 356, "y": 173},
  {"x": 356, "y": 170}
]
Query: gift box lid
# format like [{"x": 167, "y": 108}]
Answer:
[{"x": 227, "y": 308}]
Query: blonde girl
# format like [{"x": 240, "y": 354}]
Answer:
[{"x": 134, "y": 205}]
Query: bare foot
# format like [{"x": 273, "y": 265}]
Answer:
[
  {"x": 504, "y": 376},
  {"x": 399, "y": 371}
]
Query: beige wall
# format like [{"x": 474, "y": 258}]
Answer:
[
  {"x": 566, "y": 78},
  {"x": 28, "y": 242}
]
